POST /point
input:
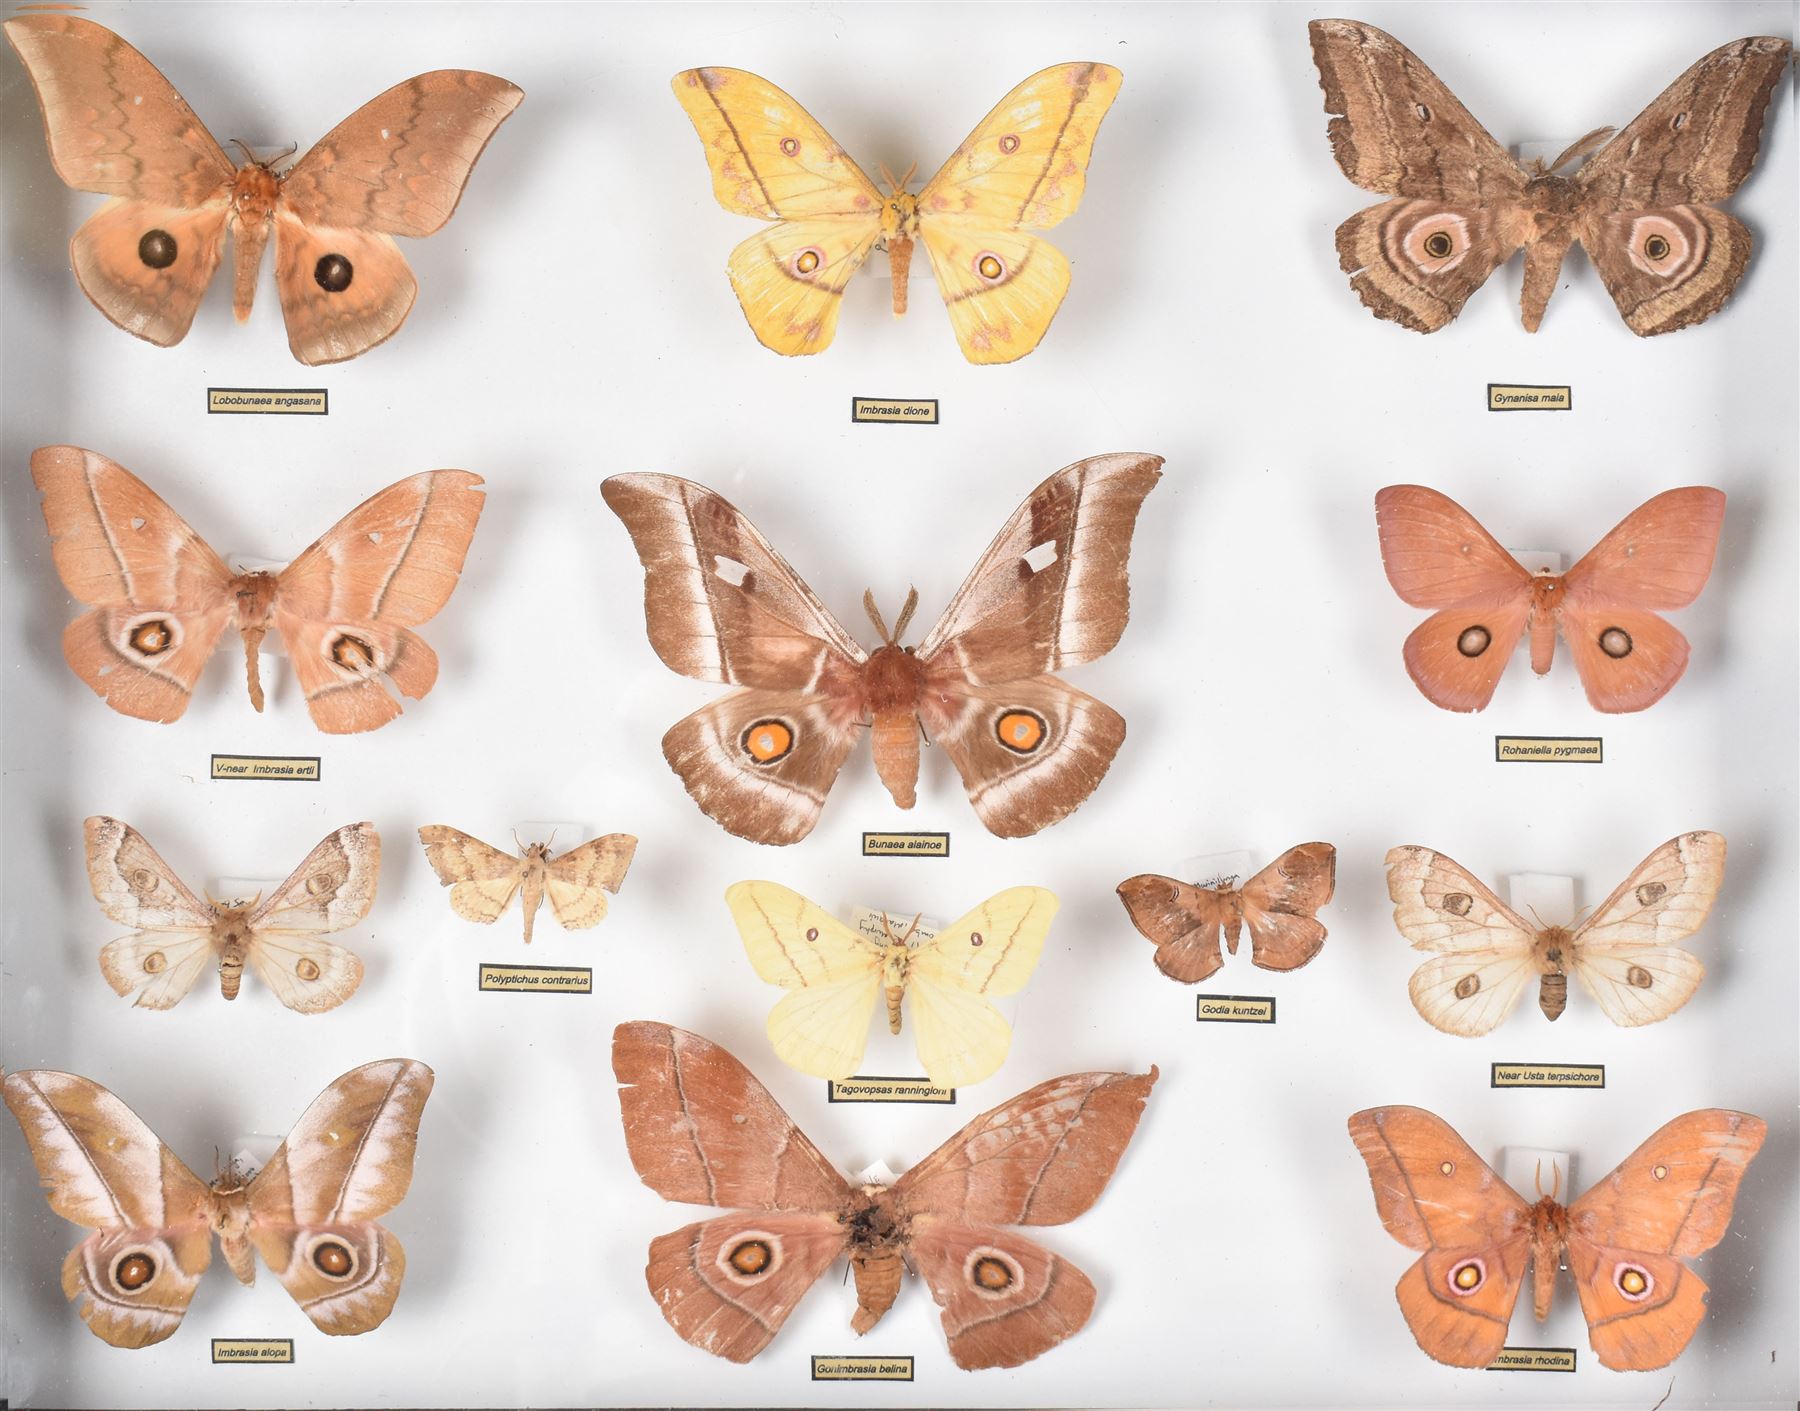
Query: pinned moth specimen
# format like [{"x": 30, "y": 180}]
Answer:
[
  {"x": 281, "y": 937},
  {"x": 1051, "y": 591},
  {"x": 310, "y": 1213},
  {"x": 1023, "y": 169},
  {"x": 484, "y": 880},
  {"x": 836, "y": 975},
  {"x": 1606, "y": 607},
  {"x": 1623, "y": 1242},
  {"x": 1625, "y": 954},
  {"x": 1641, "y": 205},
  {"x": 1279, "y": 905},
  {"x": 702, "y": 1130},
  {"x": 396, "y": 166},
  {"x": 161, "y": 598}
]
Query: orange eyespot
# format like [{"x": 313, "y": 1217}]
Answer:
[
  {"x": 768, "y": 741},
  {"x": 352, "y": 653},
  {"x": 990, "y": 266},
  {"x": 1467, "y": 1276},
  {"x": 152, "y": 638},
  {"x": 751, "y": 1258},
  {"x": 991, "y": 1274},
  {"x": 1021, "y": 731},
  {"x": 1633, "y": 1282},
  {"x": 808, "y": 261}
]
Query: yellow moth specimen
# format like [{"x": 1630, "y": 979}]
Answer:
[
  {"x": 838, "y": 975},
  {"x": 1625, "y": 955},
  {"x": 483, "y": 880},
  {"x": 281, "y": 937},
  {"x": 1024, "y": 168}
]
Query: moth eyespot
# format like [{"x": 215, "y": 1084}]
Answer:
[
  {"x": 990, "y": 1273},
  {"x": 333, "y": 1258},
  {"x": 1660, "y": 1172},
  {"x": 1423, "y": 112},
  {"x": 306, "y": 968},
  {"x": 1616, "y": 643},
  {"x": 155, "y": 963},
  {"x": 351, "y": 654},
  {"x": 1447, "y": 1167},
  {"x": 325, "y": 881},
  {"x": 990, "y": 266},
  {"x": 1467, "y": 1277},
  {"x": 790, "y": 146},
  {"x": 1474, "y": 641},
  {"x": 158, "y": 249},
  {"x": 1009, "y": 144},
  {"x": 1021, "y": 731},
  {"x": 975, "y": 938},
  {"x": 1639, "y": 978},
  {"x": 143, "y": 880},
  {"x": 1439, "y": 245},
  {"x": 751, "y": 1258},
  {"x": 1466, "y": 987},
  {"x": 133, "y": 1270},
  {"x": 1458, "y": 903},
  {"x": 809, "y": 260},
  {"x": 812, "y": 933},
  {"x": 1649, "y": 893},
  {"x": 1634, "y": 1282},
  {"x": 1656, "y": 248},
  {"x": 152, "y": 638},
  {"x": 333, "y": 273},
  {"x": 768, "y": 741},
  {"x": 1678, "y": 122}
]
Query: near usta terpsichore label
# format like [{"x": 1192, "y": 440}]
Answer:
[{"x": 1547, "y": 1075}]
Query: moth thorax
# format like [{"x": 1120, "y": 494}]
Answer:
[
  {"x": 254, "y": 192},
  {"x": 877, "y": 1285},
  {"x": 254, "y": 595}
]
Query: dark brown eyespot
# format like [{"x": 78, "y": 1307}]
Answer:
[
  {"x": 1474, "y": 641},
  {"x": 134, "y": 1271},
  {"x": 790, "y": 146},
  {"x": 1438, "y": 244},
  {"x": 1009, "y": 144},
  {"x": 1467, "y": 986},
  {"x": 812, "y": 933},
  {"x": 975, "y": 939},
  {"x": 1616, "y": 643},
  {"x": 1458, "y": 903},
  {"x": 1639, "y": 977},
  {"x": 332, "y": 1259},
  {"x": 1649, "y": 893},
  {"x": 1656, "y": 248},
  {"x": 333, "y": 273},
  {"x": 991, "y": 1274},
  {"x": 158, "y": 249},
  {"x": 751, "y": 1258},
  {"x": 352, "y": 653}
]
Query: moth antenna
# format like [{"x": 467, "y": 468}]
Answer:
[
  {"x": 1555, "y": 1180},
  {"x": 906, "y": 180},
  {"x": 552, "y": 842},
  {"x": 888, "y": 177},
  {"x": 244, "y": 147},
  {"x": 887, "y": 928},
  {"x": 1537, "y": 1177},
  {"x": 875, "y": 615},
  {"x": 1582, "y": 146},
  {"x": 912, "y": 601},
  {"x": 910, "y": 929}
]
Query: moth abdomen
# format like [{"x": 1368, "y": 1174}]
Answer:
[
  {"x": 1553, "y": 995},
  {"x": 877, "y": 1286}
]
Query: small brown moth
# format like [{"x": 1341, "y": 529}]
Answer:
[{"x": 483, "y": 880}]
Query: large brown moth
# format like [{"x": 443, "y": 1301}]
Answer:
[
  {"x": 281, "y": 936},
  {"x": 1051, "y": 591},
  {"x": 483, "y": 880},
  {"x": 702, "y": 1130},
  {"x": 396, "y": 166},
  {"x": 1641, "y": 205},
  {"x": 160, "y": 597},
  {"x": 310, "y": 1212}
]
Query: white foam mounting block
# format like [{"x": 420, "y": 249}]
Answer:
[
  {"x": 1533, "y": 1171},
  {"x": 1541, "y": 560},
  {"x": 1218, "y": 869},
  {"x": 237, "y": 891},
  {"x": 251, "y": 1151},
  {"x": 1542, "y": 895},
  {"x": 560, "y": 836}
]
